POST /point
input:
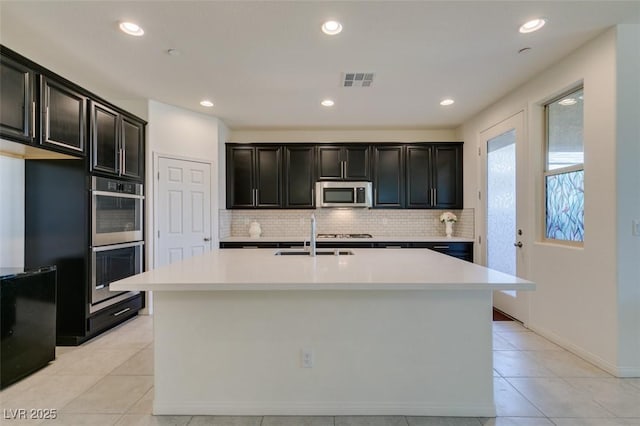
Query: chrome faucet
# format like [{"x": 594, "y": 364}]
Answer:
[{"x": 312, "y": 240}]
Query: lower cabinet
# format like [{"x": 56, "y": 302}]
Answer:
[{"x": 461, "y": 250}]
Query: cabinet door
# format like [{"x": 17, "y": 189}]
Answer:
[
  {"x": 388, "y": 176},
  {"x": 240, "y": 178},
  {"x": 268, "y": 177},
  {"x": 104, "y": 139},
  {"x": 132, "y": 143},
  {"x": 418, "y": 177},
  {"x": 330, "y": 165},
  {"x": 447, "y": 176},
  {"x": 357, "y": 162},
  {"x": 63, "y": 117},
  {"x": 299, "y": 184},
  {"x": 17, "y": 101}
]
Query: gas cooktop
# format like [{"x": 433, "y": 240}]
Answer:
[{"x": 344, "y": 236}]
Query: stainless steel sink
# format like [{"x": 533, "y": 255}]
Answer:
[{"x": 335, "y": 252}]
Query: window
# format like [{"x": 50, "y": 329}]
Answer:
[{"x": 564, "y": 171}]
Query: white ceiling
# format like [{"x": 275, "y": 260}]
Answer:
[{"x": 267, "y": 64}]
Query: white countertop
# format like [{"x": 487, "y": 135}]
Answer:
[
  {"x": 375, "y": 239},
  {"x": 367, "y": 269}
]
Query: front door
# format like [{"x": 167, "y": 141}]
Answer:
[
  {"x": 504, "y": 247},
  {"x": 183, "y": 210}
]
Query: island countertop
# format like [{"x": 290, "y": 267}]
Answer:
[{"x": 366, "y": 269}]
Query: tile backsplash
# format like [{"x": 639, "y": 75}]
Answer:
[{"x": 377, "y": 222}]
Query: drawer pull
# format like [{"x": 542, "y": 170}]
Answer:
[
  {"x": 100, "y": 287},
  {"x": 121, "y": 312},
  {"x": 395, "y": 247},
  {"x": 440, "y": 247}
]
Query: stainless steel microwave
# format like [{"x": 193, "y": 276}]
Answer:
[{"x": 343, "y": 194}]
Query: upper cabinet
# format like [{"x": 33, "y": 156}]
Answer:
[
  {"x": 434, "y": 176},
  {"x": 63, "y": 112},
  {"x": 17, "y": 101},
  {"x": 254, "y": 176},
  {"x": 299, "y": 179},
  {"x": 52, "y": 116},
  {"x": 416, "y": 175},
  {"x": 388, "y": 176},
  {"x": 117, "y": 143},
  {"x": 344, "y": 162},
  {"x": 41, "y": 108}
]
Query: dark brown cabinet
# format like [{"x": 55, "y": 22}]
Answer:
[
  {"x": 344, "y": 162},
  {"x": 388, "y": 176},
  {"x": 299, "y": 179},
  {"x": 17, "y": 101},
  {"x": 434, "y": 176},
  {"x": 63, "y": 112},
  {"x": 117, "y": 143},
  {"x": 254, "y": 177},
  {"x": 416, "y": 175}
]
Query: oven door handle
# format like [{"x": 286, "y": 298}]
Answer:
[
  {"x": 117, "y": 195},
  {"x": 117, "y": 246}
]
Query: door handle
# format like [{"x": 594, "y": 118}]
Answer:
[
  {"x": 518, "y": 244},
  {"x": 207, "y": 239}
]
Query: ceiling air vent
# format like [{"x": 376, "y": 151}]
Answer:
[{"x": 357, "y": 79}]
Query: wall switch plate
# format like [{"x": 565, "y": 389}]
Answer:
[
  {"x": 307, "y": 358},
  {"x": 636, "y": 228}
]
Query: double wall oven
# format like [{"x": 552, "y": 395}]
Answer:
[{"x": 117, "y": 244}]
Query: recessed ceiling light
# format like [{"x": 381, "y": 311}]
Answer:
[
  {"x": 331, "y": 27},
  {"x": 327, "y": 103},
  {"x": 568, "y": 102},
  {"x": 206, "y": 103},
  {"x": 131, "y": 29},
  {"x": 447, "y": 102},
  {"x": 532, "y": 25}
]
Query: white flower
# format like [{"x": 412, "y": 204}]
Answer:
[{"x": 448, "y": 217}]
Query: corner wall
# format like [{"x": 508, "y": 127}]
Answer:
[
  {"x": 12, "y": 212},
  {"x": 182, "y": 134},
  {"x": 628, "y": 196},
  {"x": 576, "y": 303}
]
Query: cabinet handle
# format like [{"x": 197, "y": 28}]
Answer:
[
  {"x": 124, "y": 161},
  {"x": 440, "y": 247},
  {"x": 435, "y": 197},
  {"x": 121, "y": 312},
  {"x": 33, "y": 120},
  {"x": 46, "y": 123},
  {"x": 120, "y": 161},
  {"x": 343, "y": 172}
]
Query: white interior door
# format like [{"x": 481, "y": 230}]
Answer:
[
  {"x": 183, "y": 210},
  {"x": 503, "y": 194}
]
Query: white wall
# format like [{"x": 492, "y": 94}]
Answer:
[
  {"x": 344, "y": 135},
  {"x": 11, "y": 212},
  {"x": 183, "y": 134},
  {"x": 576, "y": 302},
  {"x": 628, "y": 195}
]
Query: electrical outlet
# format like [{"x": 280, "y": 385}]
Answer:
[
  {"x": 636, "y": 228},
  {"x": 307, "y": 358}
]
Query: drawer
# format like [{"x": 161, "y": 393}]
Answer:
[{"x": 115, "y": 314}]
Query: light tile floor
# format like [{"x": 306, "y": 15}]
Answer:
[{"x": 109, "y": 381}]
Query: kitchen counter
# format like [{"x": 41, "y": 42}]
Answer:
[
  {"x": 376, "y": 239},
  {"x": 379, "y": 332},
  {"x": 366, "y": 269}
]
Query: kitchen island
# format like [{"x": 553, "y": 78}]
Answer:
[{"x": 393, "y": 331}]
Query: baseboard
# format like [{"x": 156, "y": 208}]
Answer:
[
  {"x": 618, "y": 371},
  {"x": 287, "y": 408}
]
